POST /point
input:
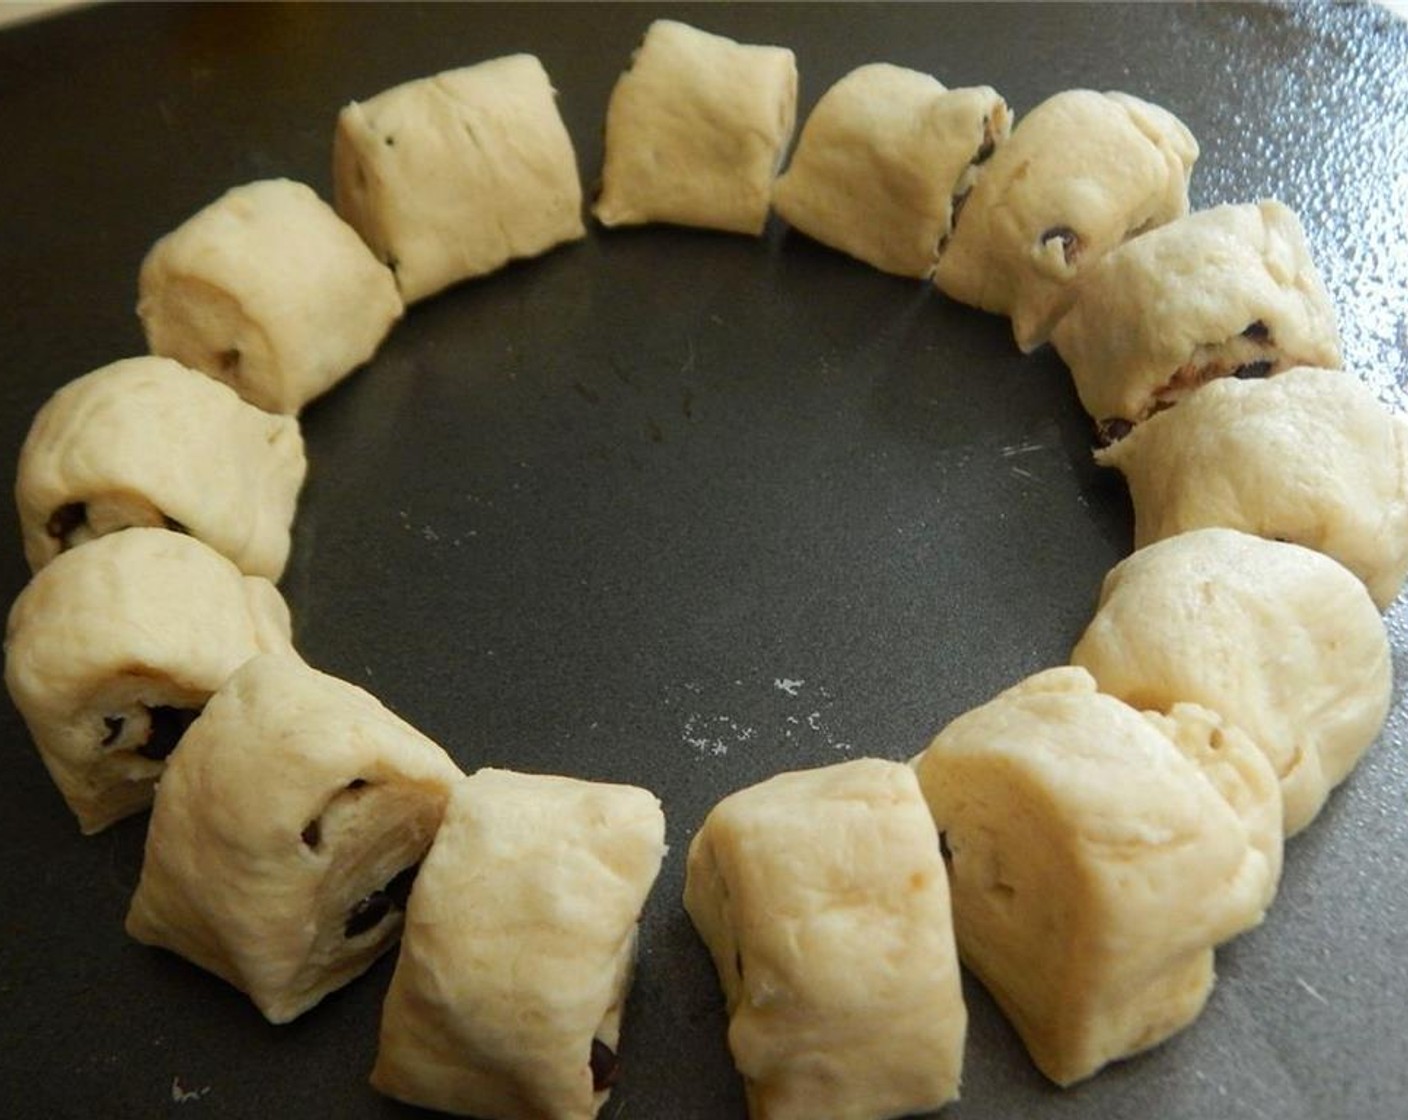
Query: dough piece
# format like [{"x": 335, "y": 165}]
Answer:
[
  {"x": 822, "y": 898},
  {"x": 114, "y": 648},
  {"x": 1226, "y": 292},
  {"x": 269, "y": 291},
  {"x": 885, "y": 161},
  {"x": 696, "y": 130},
  {"x": 1310, "y": 456},
  {"x": 285, "y": 834},
  {"x": 147, "y": 442},
  {"x": 519, "y": 947},
  {"x": 1082, "y": 172},
  {"x": 1279, "y": 640},
  {"x": 455, "y": 175},
  {"x": 1097, "y": 856}
]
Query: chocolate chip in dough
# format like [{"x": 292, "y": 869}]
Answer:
[
  {"x": 229, "y": 359},
  {"x": 958, "y": 201},
  {"x": 1069, "y": 239},
  {"x": 367, "y": 914},
  {"x": 606, "y": 1066},
  {"x": 989, "y": 144},
  {"x": 64, "y": 520},
  {"x": 1257, "y": 332},
  {"x": 114, "y": 724},
  {"x": 399, "y": 889},
  {"x": 167, "y": 727},
  {"x": 312, "y": 833},
  {"x": 1112, "y": 430},
  {"x": 1252, "y": 371}
]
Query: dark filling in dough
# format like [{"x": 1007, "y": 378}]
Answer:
[
  {"x": 958, "y": 202},
  {"x": 1112, "y": 430},
  {"x": 164, "y": 730},
  {"x": 989, "y": 144},
  {"x": 606, "y": 1066},
  {"x": 64, "y": 520},
  {"x": 167, "y": 727},
  {"x": 68, "y": 519},
  {"x": 399, "y": 889},
  {"x": 1070, "y": 242},
  {"x": 369, "y": 912},
  {"x": 1207, "y": 365},
  {"x": 985, "y": 149}
]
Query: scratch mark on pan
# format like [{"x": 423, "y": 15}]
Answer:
[
  {"x": 1304, "y": 984},
  {"x": 1021, "y": 449}
]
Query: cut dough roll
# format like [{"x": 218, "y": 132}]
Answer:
[
  {"x": 1310, "y": 456},
  {"x": 285, "y": 834},
  {"x": 884, "y": 163},
  {"x": 519, "y": 947},
  {"x": 1082, "y": 172},
  {"x": 453, "y": 176},
  {"x": 696, "y": 130},
  {"x": 147, "y": 442},
  {"x": 269, "y": 291},
  {"x": 822, "y": 897},
  {"x": 114, "y": 648},
  {"x": 1226, "y": 292},
  {"x": 1097, "y": 856},
  {"x": 1279, "y": 640}
]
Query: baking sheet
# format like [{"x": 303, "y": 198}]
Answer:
[{"x": 681, "y": 509}]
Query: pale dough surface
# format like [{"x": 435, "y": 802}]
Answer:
[
  {"x": 144, "y": 440},
  {"x": 1097, "y": 858},
  {"x": 294, "y": 796},
  {"x": 881, "y": 160},
  {"x": 134, "y": 620},
  {"x": 453, "y": 176},
  {"x": 1279, "y": 640},
  {"x": 1103, "y": 166},
  {"x": 519, "y": 946},
  {"x": 823, "y": 899},
  {"x": 1310, "y": 456},
  {"x": 696, "y": 130},
  {"x": 1162, "y": 314},
  {"x": 268, "y": 290}
]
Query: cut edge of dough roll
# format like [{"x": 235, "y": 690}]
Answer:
[
  {"x": 885, "y": 162},
  {"x": 823, "y": 900},
  {"x": 519, "y": 948},
  {"x": 1097, "y": 856}
]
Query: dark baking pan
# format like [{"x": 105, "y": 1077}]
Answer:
[{"x": 684, "y": 510}]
